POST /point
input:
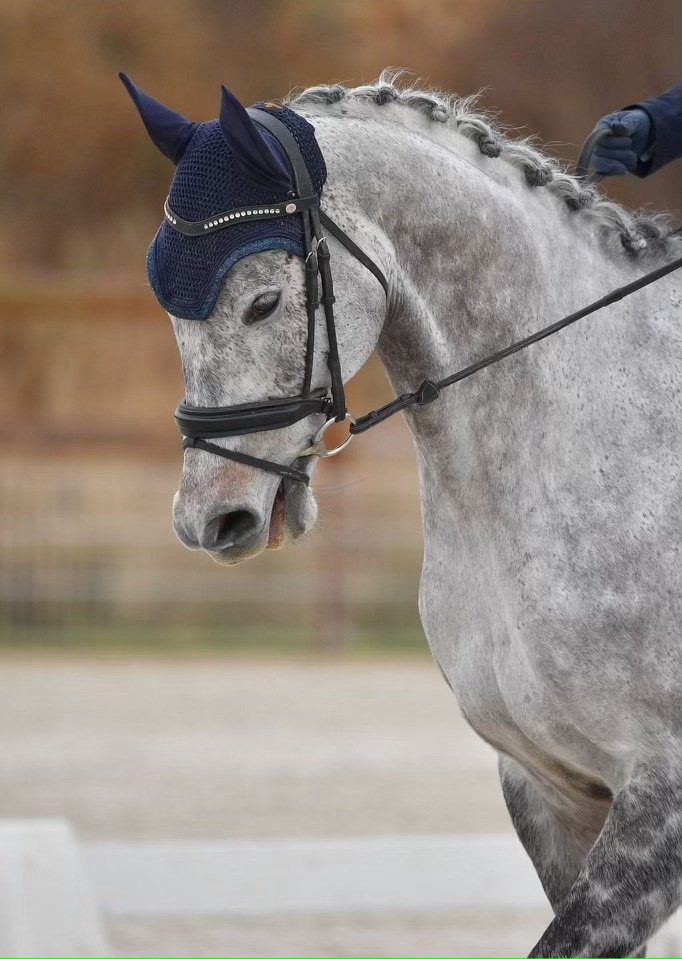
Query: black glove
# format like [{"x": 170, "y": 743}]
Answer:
[{"x": 632, "y": 136}]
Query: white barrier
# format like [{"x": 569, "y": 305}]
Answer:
[
  {"x": 47, "y": 907},
  {"x": 271, "y": 876},
  {"x": 414, "y": 874},
  {"x": 47, "y": 902}
]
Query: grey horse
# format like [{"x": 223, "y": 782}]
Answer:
[{"x": 550, "y": 592}]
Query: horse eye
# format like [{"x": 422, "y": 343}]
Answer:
[{"x": 262, "y": 306}]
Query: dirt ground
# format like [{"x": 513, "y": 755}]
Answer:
[{"x": 226, "y": 748}]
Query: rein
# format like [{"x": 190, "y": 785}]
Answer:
[
  {"x": 430, "y": 391},
  {"x": 199, "y": 424}
]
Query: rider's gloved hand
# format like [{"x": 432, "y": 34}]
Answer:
[{"x": 619, "y": 154}]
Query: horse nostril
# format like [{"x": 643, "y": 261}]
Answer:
[
  {"x": 236, "y": 524},
  {"x": 229, "y": 529}
]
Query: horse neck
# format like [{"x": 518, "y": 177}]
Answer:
[{"x": 479, "y": 259}]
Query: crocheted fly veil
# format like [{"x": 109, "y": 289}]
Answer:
[{"x": 222, "y": 165}]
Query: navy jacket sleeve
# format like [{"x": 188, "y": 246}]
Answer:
[{"x": 665, "y": 113}]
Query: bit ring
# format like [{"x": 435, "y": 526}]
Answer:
[{"x": 317, "y": 446}]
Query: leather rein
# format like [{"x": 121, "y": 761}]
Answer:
[{"x": 199, "y": 424}]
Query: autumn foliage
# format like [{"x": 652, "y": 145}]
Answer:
[{"x": 82, "y": 187}]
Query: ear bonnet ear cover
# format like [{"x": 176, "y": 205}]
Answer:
[
  {"x": 168, "y": 129},
  {"x": 187, "y": 272}
]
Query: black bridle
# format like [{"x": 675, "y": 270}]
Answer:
[{"x": 199, "y": 424}]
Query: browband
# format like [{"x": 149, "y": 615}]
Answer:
[{"x": 240, "y": 214}]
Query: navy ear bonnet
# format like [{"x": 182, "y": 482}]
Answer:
[{"x": 212, "y": 176}]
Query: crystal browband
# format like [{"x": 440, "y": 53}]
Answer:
[{"x": 238, "y": 215}]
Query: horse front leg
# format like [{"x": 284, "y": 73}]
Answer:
[
  {"x": 632, "y": 878},
  {"x": 557, "y": 840}
]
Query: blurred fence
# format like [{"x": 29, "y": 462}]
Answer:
[
  {"x": 87, "y": 551},
  {"x": 87, "y": 554}
]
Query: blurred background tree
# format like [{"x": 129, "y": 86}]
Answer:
[{"x": 82, "y": 189}]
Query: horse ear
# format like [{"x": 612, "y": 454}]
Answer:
[
  {"x": 170, "y": 131},
  {"x": 256, "y": 159}
]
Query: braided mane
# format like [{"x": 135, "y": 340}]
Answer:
[{"x": 641, "y": 233}]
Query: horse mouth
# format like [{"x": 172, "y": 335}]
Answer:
[
  {"x": 277, "y": 519},
  {"x": 293, "y": 513}
]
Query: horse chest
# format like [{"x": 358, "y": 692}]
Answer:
[
  {"x": 517, "y": 720},
  {"x": 516, "y": 709}
]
